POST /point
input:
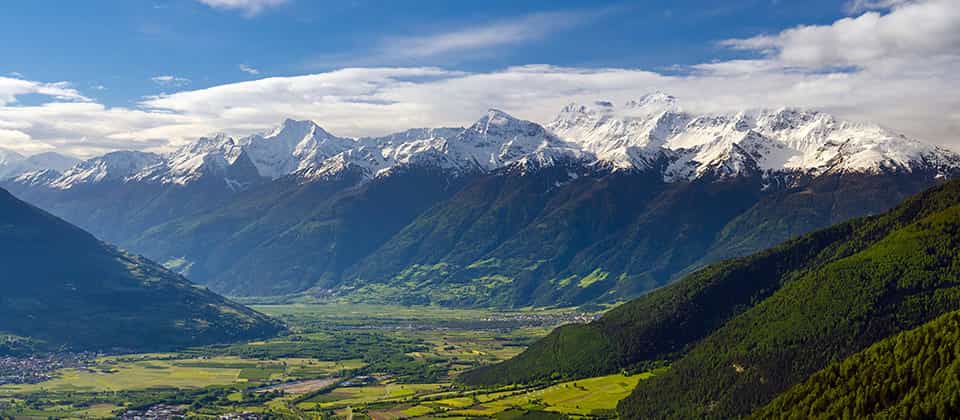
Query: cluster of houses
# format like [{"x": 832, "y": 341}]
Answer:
[
  {"x": 241, "y": 416},
  {"x": 156, "y": 412},
  {"x": 541, "y": 318},
  {"x": 172, "y": 412},
  {"x": 36, "y": 369}
]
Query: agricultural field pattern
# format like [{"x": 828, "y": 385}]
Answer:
[{"x": 337, "y": 361}]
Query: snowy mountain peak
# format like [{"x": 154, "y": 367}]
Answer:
[
  {"x": 628, "y": 137},
  {"x": 293, "y": 132},
  {"x": 499, "y": 139},
  {"x": 294, "y": 145},
  {"x": 496, "y": 125},
  {"x": 203, "y": 157},
  {"x": 113, "y": 166},
  {"x": 785, "y": 139},
  {"x": 497, "y": 121},
  {"x": 203, "y": 145},
  {"x": 649, "y": 133},
  {"x": 655, "y": 100}
]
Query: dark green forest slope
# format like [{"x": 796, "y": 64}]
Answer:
[
  {"x": 747, "y": 329},
  {"x": 823, "y": 315},
  {"x": 915, "y": 374},
  {"x": 63, "y": 287}
]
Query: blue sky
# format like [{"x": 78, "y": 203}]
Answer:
[
  {"x": 121, "y": 44},
  {"x": 85, "y": 77}
]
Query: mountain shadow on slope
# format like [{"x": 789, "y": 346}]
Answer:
[{"x": 65, "y": 288}]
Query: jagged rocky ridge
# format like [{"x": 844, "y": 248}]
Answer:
[{"x": 602, "y": 203}]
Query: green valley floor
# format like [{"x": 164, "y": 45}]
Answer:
[{"x": 338, "y": 361}]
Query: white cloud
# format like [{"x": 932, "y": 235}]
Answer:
[
  {"x": 22, "y": 143},
  {"x": 907, "y": 91},
  {"x": 248, "y": 7},
  {"x": 508, "y": 32},
  {"x": 10, "y": 88},
  {"x": 168, "y": 80},
  {"x": 910, "y": 34},
  {"x": 249, "y": 69}
]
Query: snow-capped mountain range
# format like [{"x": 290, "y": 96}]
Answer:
[
  {"x": 651, "y": 133},
  {"x": 765, "y": 141}
]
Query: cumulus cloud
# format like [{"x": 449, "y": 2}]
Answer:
[
  {"x": 20, "y": 141},
  {"x": 912, "y": 33},
  {"x": 248, "y": 7},
  {"x": 907, "y": 91}
]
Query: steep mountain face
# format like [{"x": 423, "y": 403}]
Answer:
[
  {"x": 287, "y": 237},
  {"x": 63, "y": 287},
  {"x": 555, "y": 236},
  {"x": 742, "y": 331},
  {"x": 604, "y": 203}
]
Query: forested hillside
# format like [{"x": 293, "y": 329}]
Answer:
[
  {"x": 741, "y": 331},
  {"x": 915, "y": 374},
  {"x": 63, "y": 287}
]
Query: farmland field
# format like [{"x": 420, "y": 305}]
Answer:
[{"x": 338, "y": 360}]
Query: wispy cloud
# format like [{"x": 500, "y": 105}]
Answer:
[
  {"x": 248, "y": 7},
  {"x": 494, "y": 34},
  {"x": 249, "y": 69},
  {"x": 168, "y": 80},
  {"x": 467, "y": 42},
  {"x": 11, "y": 87},
  {"x": 859, "y": 6}
]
